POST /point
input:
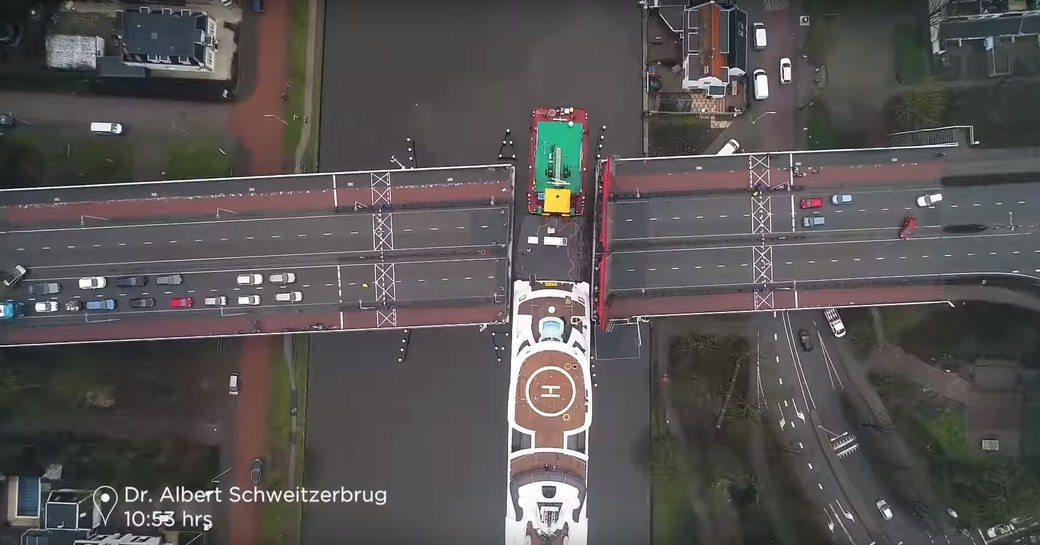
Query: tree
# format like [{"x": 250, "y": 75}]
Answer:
[
  {"x": 937, "y": 11},
  {"x": 920, "y": 108}
]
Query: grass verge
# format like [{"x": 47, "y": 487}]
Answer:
[
  {"x": 41, "y": 158},
  {"x": 669, "y": 505},
  {"x": 282, "y": 521},
  {"x": 191, "y": 160},
  {"x": 298, "y": 34}
]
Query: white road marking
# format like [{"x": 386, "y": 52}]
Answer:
[
  {"x": 301, "y": 236},
  {"x": 653, "y": 219},
  {"x": 70, "y": 247},
  {"x": 976, "y": 204},
  {"x": 323, "y": 234},
  {"x": 880, "y": 258},
  {"x": 1015, "y": 252}
]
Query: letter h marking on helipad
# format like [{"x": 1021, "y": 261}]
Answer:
[{"x": 549, "y": 390}]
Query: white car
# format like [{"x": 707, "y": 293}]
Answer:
[
  {"x": 253, "y": 279},
  {"x": 886, "y": 511},
  {"x": 785, "y": 70},
  {"x": 92, "y": 283},
  {"x": 730, "y": 148},
  {"x": 289, "y": 297},
  {"x": 929, "y": 200},
  {"x": 282, "y": 278},
  {"x": 46, "y": 306},
  {"x": 250, "y": 300}
]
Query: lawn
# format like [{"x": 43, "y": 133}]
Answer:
[
  {"x": 30, "y": 159},
  {"x": 679, "y": 134},
  {"x": 911, "y": 54},
  {"x": 297, "y": 123},
  {"x": 282, "y": 521},
  {"x": 966, "y": 332},
  {"x": 670, "y": 514},
  {"x": 192, "y": 160}
]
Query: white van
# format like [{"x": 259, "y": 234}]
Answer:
[
  {"x": 106, "y": 128},
  {"x": 761, "y": 83},
  {"x": 758, "y": 33},
  {"x": 730, "y": 148},
  {"x": 233, "y": 382}
]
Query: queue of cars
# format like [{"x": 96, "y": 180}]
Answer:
[
  {"x": 816, "y": 219},
  {"x": 90, "y": 283}
]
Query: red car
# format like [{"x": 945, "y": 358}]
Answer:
[
  {"x": 814, "y": 202},
  {"x": 909, "y": 226},
  {"x": 181, "y": 302}
]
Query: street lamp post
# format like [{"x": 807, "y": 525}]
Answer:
[{"x": 755, "y": 120}]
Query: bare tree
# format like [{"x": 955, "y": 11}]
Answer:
[{"x": 937, "y": 11}]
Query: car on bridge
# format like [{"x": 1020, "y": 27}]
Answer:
[
  {"x": 249, "y": 300},
  {"x": 814, "y": 220},
  {"x": 92, "y": 282},
  {"x": 169, "y": 280},
  {"x": 182, "y": 302},
  {"x": 43, "y": 307},
  {"x": 289, "y": 297},
  {"x": 216, "y": 301},
  {"x": 132, "y": 281},
  {"x": 142, "y": 302},
  {"x": 101, "y": 304},
  {"x": 45, "y": 288},
  {"x": 15, "y": 276},
  {"x": 250, "y": 279},
  {"x": 928, "y": 200},
  {"x": 841, "y": 199},
  {"x": 282, "y": 278},
  {"x": 909, "y": 226},
  {"x": 814, "y": 202}
]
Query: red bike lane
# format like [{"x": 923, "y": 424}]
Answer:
[{"x": 262, "y": 137}]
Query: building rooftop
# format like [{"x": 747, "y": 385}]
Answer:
[
  {"x": 162, "y": 34},
  {"x": 974, "y": 27}
]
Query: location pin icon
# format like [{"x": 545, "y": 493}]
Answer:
[{"x": 105, "y": 500}]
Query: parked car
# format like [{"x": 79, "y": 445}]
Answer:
[
  {"x": 92, "y": 283},
  {"x": 169, "y": 280},
  {"x": 929, "y": 200},
  {"x": 251, "y": 300},
  {"x": 46, "y": 306},
  {"x": 233, "y": 384},
  {"x": 785, "y": 70},
  {"x": 181, "y": 302},
  {"x": 884, "y": 509},
  {"x": 289, "y": 297},
  {"x": 250, "y": 279},
  {"x": 805, "y": 340},
  {"x": 256, "y": 472},
  {"x": 1001, "y": 530},
  {"x": 132, "y": 281},
  {"x": 909, "y": 226},
  {"x": 15, "y": 275},
  {"x": 215, "y": 301},
  {"x": 841, "y": 199},
  {"x": 142, "y": 302},
  {"x": 101, "y": 304},
  {"x": 729, "y": 148},
  {"x": 813, "y": 202},
  {"x": 45, "y": 288}
]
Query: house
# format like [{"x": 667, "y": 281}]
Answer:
[
  {"x": 69, "y": 517},
  {"x": 168, "y": 39},
  {"x": 715, "y": 38},
  {"x": 994, "y": 33}
]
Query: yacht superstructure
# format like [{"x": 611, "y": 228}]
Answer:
[{"x": 550, "y": 412}]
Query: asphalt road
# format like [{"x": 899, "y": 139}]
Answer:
[{"x": 804, "y": 390}]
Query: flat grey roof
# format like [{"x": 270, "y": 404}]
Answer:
[{"x": 159, "y": 34}]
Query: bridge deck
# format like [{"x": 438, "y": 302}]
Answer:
[{"x": 405, "y": 248}]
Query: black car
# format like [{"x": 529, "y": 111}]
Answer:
[
  {"x": 6, "y": 120},
  {"x": 142, "y": 302},
  {"x": 132, "y": 281},
  {"x": 45, "y": 288},
  {"x": 256, "y": 471},
  {"x": 805, "y": 340}
]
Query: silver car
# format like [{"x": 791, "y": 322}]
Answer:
[
  {"x": 92, "y": 283},
  {"x": 249, "y": 300},
  {"x": 46, "y": 306},
  {"x": 841, "y": 199},
  {"x": 250, "y": 279}
]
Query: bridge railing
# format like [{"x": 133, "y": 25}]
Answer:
[{"x": 604, "y": 244}]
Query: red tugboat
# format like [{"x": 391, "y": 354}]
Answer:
[{"x": 559, "y": 161}]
